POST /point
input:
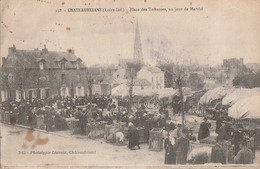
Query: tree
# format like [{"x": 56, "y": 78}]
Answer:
[
  {"x": 90, "y": 81},
  {"x": 131, "y": 85},
  {"x": 179, "y": 75},
  {"x": 247, "y": 79},
  {"x": 167, "y": 68},
  {"x": 132, "y": 69},
  {"x": 196, "y": 81}
]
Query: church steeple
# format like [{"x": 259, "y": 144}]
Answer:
[{"x": 138, "y": 53}]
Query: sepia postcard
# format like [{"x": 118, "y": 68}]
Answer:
[{"x": 129, "y": 84}]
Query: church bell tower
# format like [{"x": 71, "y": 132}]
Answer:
[{"x": 138, "y": 53}]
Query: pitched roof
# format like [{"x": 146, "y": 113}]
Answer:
[
  {"x": 154, "y": 69},
  {"x": 29, "y": 59},
  {"x": 141, "y": 82}
]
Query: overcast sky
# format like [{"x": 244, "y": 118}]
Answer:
[{"x": 224, "y": 29}]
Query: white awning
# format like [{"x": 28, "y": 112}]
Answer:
[
  {"x": 238, "y": 94},
  {"x": 248, "y": 107},
  {"x": 214, "y": 94}
]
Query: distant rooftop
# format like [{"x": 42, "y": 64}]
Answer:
[
  {"x": 154, "y": 69},
  {"x": 30, "y": 58}
]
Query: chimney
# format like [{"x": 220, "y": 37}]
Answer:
[
  {"x": 72, "y": 51},
  {"x": 3, "y": 61},
  {"x": 11, "y": 50},
  {"x": 241, "y": 61},
  {"x": 44, "y": 50}
]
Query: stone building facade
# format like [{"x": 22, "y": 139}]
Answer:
[{"x": 42, "y": 74}]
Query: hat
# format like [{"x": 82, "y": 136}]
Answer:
[
  {"x": 130, "y": 124},
  {"x": 244, "y": 142},
  {"x": 184, "y": 130}
]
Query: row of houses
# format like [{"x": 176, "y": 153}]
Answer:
[{"x": 43, "y": 73}]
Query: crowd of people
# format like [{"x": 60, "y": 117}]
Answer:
[
  {"x": 233, "y": 143},
  {"x": 87, "y": 109},
  {"x": 54, "y": 110},
  {"x": 241, "y": 139}
]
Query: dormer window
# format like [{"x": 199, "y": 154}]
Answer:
[
  {"x": 77, "y": 65},
  {"x": 41, "y": 66},
  {"x": 40, "y": 62},
  {"x": 62, "y": 65}
]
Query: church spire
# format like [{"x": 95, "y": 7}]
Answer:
[{"x": 138, "y": 54}]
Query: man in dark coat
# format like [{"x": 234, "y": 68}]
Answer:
[
  {"x": 133, "y": 137},
  {"x": 147, "y": 128},
  {"x": 237, "y": 138},
  {"x": 182, "y": 147},
  {"x": 245, "y": 155},
  {"x": 48, "y": 120},
  {"x": 83, "y": 122},
  {"x": 204, "y": 129},
  {"x": 218, "y": 123},
  {"x": 58, "y": 122},
  {"x": 228, "y": 133},
  {"x": 218, "y": 153},
  {"x": 170, "y": 154},
  {"x": 221, "y": 131}
]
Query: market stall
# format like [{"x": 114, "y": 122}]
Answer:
[
  {"x": 238, "y": 94},
  {"x": 210, "y": 102},
  {"x": 95, "y": 130},
  {"x": 247, "y": 112},
  {"x": 215, "y": 94},
  {"x": 246, "y": 108},
  {"x": 121, "y": 90},
  {"x": 156, "y": 139}
]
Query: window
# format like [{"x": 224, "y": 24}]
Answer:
[
  {"x": 156, "y": 79},
  {"x": 41, "y": 66},
  {"x": 11, "y": 78},
  {"x": 64, "y": 91},
  {"x": 160, "y": 79},
  {"x": 77, "y": 66},
  {"x": 78, "y": 78},
  {"x": 62, "y": 78},
  {"x": 62, "y": 65},
  {"x": 47, "y": 93},
  {"x": 35, "y": 79},
  {"x": 43, "y": 94},
  {"x": 152, "y": 79}
]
